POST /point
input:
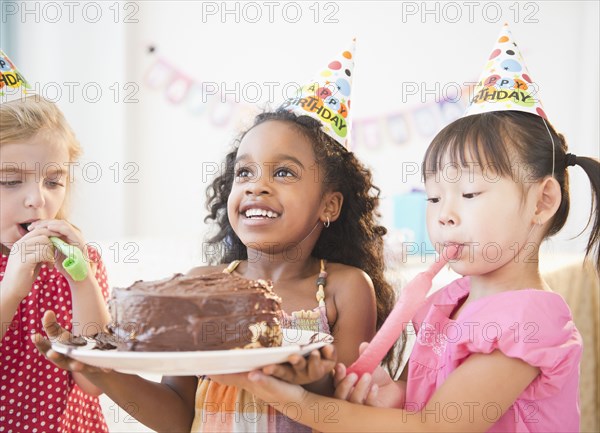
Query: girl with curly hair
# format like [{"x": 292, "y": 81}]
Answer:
[
  {"x": 497, "y": 183},
  {"x": 295, "y": 207}
]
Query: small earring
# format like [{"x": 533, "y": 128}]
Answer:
[
  {"x": 539, "y": 221},
  {"x": 326, "y": 224}
]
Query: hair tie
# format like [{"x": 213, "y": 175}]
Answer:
[{"x": 570, "y": 160}]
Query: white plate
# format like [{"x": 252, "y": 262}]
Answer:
[{"x": 196, "y": 363}]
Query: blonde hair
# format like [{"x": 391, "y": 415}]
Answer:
[{"x": 25, "y": 118}]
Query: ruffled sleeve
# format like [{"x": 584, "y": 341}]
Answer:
[
  {"x": 532, "y": 325},
  {"x": 446, "y": 297}
]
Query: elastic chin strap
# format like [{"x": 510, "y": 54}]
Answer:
[
  {"x": 311, "y": 232},
  {"x": 553, "y": 146},
  {"x": 535, "y": 225},
  {"x": 532, "y": 230}
]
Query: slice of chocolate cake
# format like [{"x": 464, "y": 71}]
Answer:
[{"x": 188, "y": 313}]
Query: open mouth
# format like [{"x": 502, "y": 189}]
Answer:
[
  {"x": 25, "y": 226},
  {"x": 456, "y": 244},
  {"x": 255, "y": 213},
  {"x": 459, "y": 247}
]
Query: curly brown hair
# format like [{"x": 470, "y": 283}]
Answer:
[{"x": 354, "y": 239}]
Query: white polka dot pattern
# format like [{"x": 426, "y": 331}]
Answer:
[{"x": 35, "y": 395}]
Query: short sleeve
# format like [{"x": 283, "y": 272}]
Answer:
[
  {"x": 446, "y": 296},
  {"x": 531, "y": 325}
]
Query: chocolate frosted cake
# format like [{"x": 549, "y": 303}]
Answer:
[{"x": 189, "y": 313}]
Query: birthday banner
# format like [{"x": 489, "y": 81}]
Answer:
[
  {"x": 406, "y": 125},
  {"x": 198, "y": 98},
  {"x": 399, "y": 128}
]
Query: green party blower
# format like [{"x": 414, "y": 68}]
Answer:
[
  {"x": 75, "y": 263},
  {"x": 412, "y": 298}
]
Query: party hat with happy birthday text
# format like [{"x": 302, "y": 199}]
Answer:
[
  {"x": 505, "y": 83},
  {"x": 13, "y": 85},
  {"x": 327, "y": 97}
]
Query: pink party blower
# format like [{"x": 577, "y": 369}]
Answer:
[{"x": 412, "y": 298}]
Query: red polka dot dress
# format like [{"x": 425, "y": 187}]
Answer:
[{"x": 35, "y": 395}]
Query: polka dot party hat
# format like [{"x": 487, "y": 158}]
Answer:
[
  {"x": 13, "y": 85},
  {"x": 327, "y": 97},
  {"x": 505, "y": 83}
]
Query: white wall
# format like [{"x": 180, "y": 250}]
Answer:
[
  {"x": 169, "y": 148},
  {"x": 74, "y": 62},
  {"x": 158, "y": 220}
]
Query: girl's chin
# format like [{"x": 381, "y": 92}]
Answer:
[{"x": 463, "y": 265}]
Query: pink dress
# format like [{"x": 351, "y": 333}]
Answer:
[
  {"x": 35, "y": 395},
  {"x": 533, "y": 325}
]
